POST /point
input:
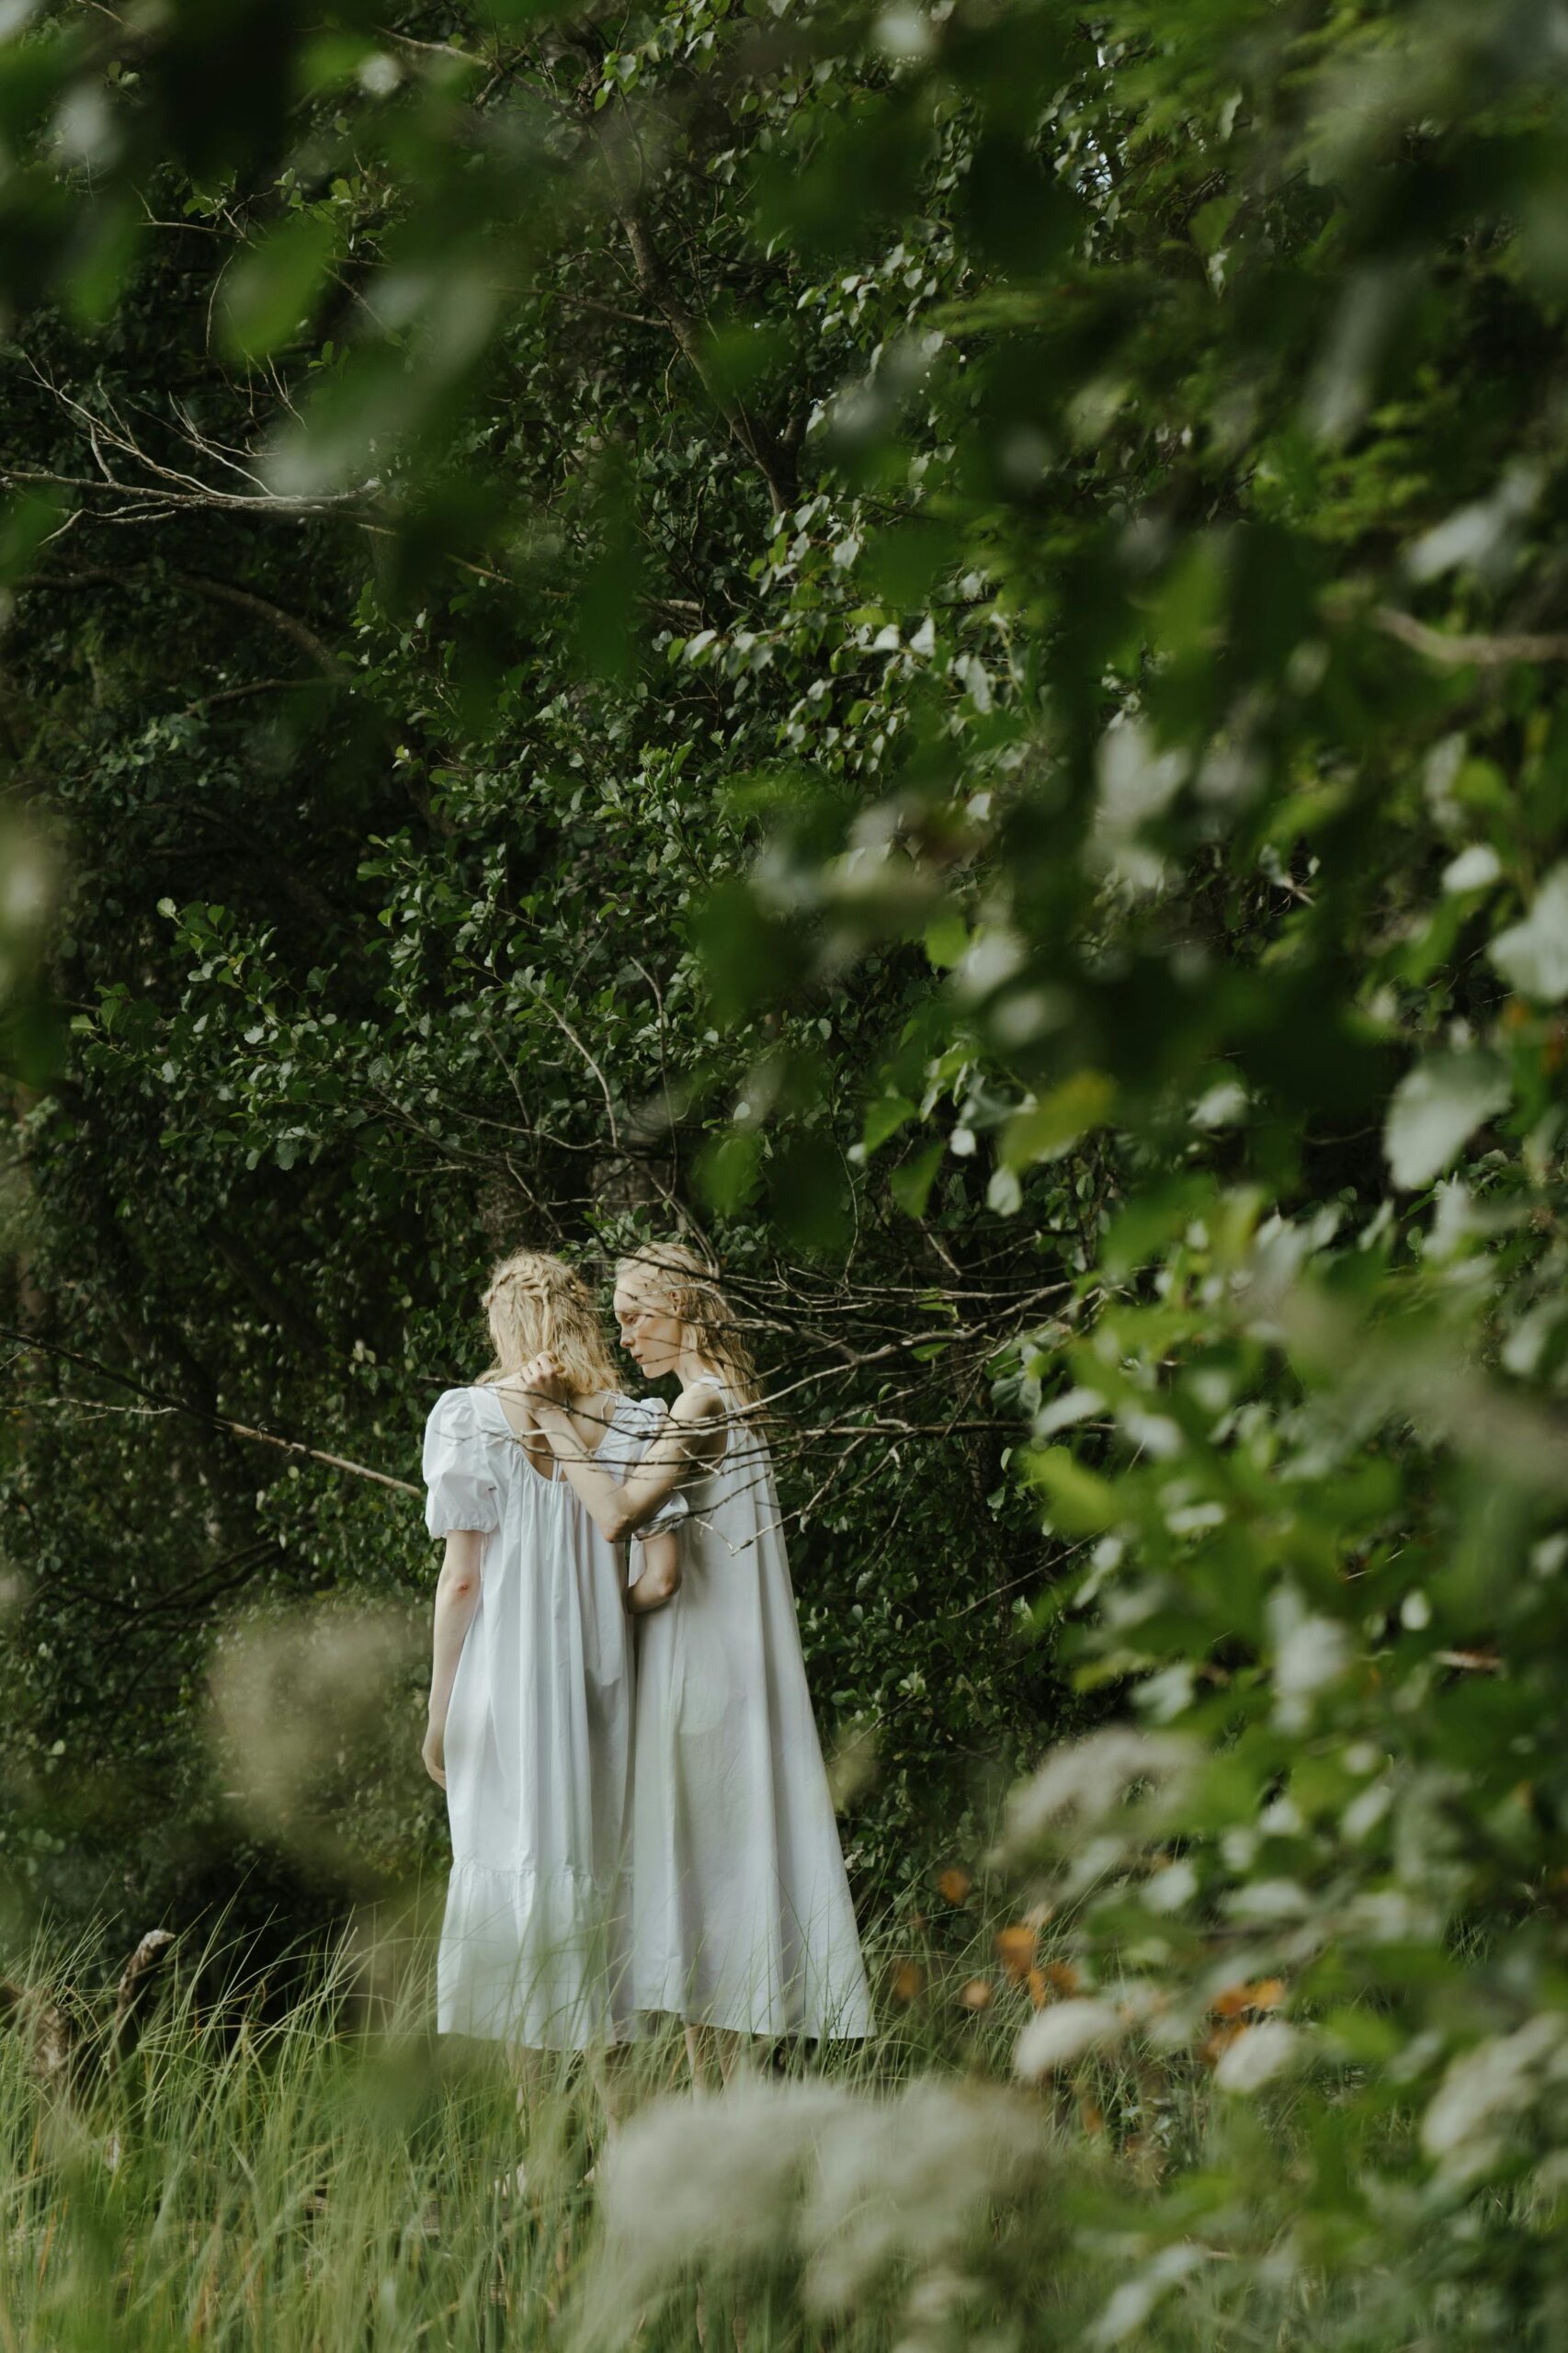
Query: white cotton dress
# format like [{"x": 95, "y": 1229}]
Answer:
[
  {"x": 742, "y": 1915},
  {"x": 535, "y": 1944}
]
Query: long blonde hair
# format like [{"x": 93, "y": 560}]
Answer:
[
  {"x": 688, "y": 1287},
  {"x": 534, "y": 1302}
]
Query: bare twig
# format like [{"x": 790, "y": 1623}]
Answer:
[
  {"x": 223, "y": 592},
  {"x": 210, "y": 1420},
  {"x": 1459, "y": 652}
]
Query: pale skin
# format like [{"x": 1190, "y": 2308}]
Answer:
[
  {"x": 658, "y": 1343},
  {"x": 458, "y": 1587},
  {"x": 456, "y": 1598}
]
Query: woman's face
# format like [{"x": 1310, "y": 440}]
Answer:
[{"x": 649, "y": 1333}]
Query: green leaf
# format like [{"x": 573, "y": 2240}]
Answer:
[
  {"x": 947, "y": 940},
  {"x": 1436, "y": 1107},
  {"x": 1080, "y": 1503},
  {"x": 729, "y": 1170},
  {"x": 269, "y": 293},
  {"x": 1156, "y": 1215},
  {"x": 26, "y": 521},
  {"x": 911, "y": 1185},
  {"x": 883, "y": 1118},
  {"x": 808, "y": 1194},
  {"x": 904, "y": 563},
  {"x": 1004, "y": 1194},
  {"x": 1532, "y": 956},
  {"x": 1210, "y": 221},
  {"x": 749, "y": 958},
  {"x": 1080, "y": 1103}
]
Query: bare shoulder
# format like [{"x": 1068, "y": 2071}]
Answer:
[
  {"x": 701, "y": 1403},
  {"x": 515, "y": 1401},
  {"x": 702, "y": 1416}
]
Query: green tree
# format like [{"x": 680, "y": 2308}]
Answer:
[{"x": 931, "y": 636}]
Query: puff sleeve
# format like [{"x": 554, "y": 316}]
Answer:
[{"x": 459, "y": 1468}]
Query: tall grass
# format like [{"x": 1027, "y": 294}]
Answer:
[{"x": 320, "y": 2173}]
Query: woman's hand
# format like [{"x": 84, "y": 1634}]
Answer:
[
  {"x": 543, "y": 1380},
  {"x": 435, "y": 1753}
]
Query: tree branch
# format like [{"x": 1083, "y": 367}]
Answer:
[
  {"x": 212, "y": 1420},
  {"x": 772, "y": 458},
  {"x": 1459, "y": 652},
  {"x": 223, "y": 592}
]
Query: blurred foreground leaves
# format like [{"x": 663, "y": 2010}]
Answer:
[{"x": 932, "y": 636}]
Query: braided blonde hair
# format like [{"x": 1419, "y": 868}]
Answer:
[
  {"x": 534, "y": 1302},
  {"x": 688, "y": 1286}
]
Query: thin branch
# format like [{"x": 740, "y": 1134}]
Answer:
[
  {"x": 223, "y": 592},
  {"x": 566, "y": 1027},
  {"x": 210, "y": 1420},
  {"x": 238, "y": 694},
  {"x": 1460, "y": 652},
  {"x": 773, "y": 461}
]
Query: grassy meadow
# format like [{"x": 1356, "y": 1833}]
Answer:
[{"x": 314, "y": 2168}]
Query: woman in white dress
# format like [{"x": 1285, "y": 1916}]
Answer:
[
  {"x": 530, "y": 1729},
  {"x": 741, "y": 1917}
]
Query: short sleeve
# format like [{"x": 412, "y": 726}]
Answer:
[{"x": 459, "y": 1468}]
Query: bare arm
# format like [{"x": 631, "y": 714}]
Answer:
[
  {"x": 456, "y": 1598},
  {"x": 658, "y": 1572},
  {"x": 693, "y": 1438}
]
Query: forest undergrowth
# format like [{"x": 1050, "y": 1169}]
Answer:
[
  {"x": 308, "y": 2166},
  {"x": 926, "y": 645}
]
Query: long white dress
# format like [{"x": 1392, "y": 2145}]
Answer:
[
  {"x": 742, "y": 1915},
  {"x": 535, "y": 1943}
]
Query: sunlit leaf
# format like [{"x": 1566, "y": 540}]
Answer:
[
  {"x": 1435, "y": 1106},
  {"x": 1532, "y": 956}
]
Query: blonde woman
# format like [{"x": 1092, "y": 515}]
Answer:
[
  {"x": 530, "y": 1717},
  {"x": 743, "y": 1922}
]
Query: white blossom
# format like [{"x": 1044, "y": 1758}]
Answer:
[
  {"x": 1079, "y": 1786},
  {"x": 1135, "y": 2300},
  {"x": 1311, "y": 1652},
  {"x": 1257, "y": 2055},
  {"x": 1498, "y": 2077},
  {"x": 851, "y": 2187},
  {"x": 711, "y": 2179},
  {"x": 1066, "y": 2031},
  {"x": 903, "y": 2181}
]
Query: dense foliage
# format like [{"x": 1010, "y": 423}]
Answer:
[
  {"x": 930, "y": 640},
  {"x": 386, "y": 823}
]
